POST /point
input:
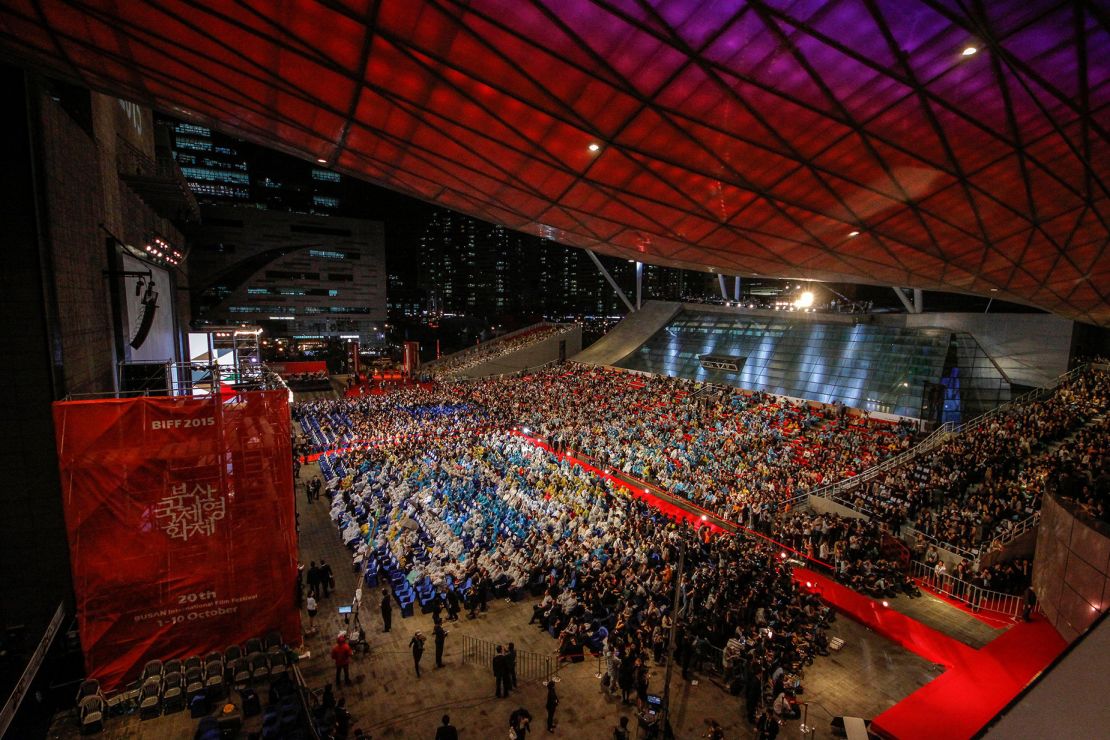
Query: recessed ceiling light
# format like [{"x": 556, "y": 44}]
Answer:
[
  {"x": 853, "y": 233},
  {"x": 595, "y": 147},
  {"x": 994, "y": 290},
  {"x": 969, "y": 50},
  {"x": 322, "y": 161}
]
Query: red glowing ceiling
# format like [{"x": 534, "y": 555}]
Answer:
[{"x": 828, "y": 139}]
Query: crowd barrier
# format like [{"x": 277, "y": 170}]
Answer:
[
  {"x": 979, "y": 599},
  {"x": 529, "y": 666}
]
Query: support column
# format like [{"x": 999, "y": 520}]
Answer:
[
  {"x": 610, "y": 280},
  {"x": 919, "y": 300},
  {"x": 911, "y": 306},
  {"x": 724, "y": 290},
  {"x": 736, "y": 289},
  {"x": 639, "y": 283}
]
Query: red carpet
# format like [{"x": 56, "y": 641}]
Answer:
[
  {"x": 977, "y": 683},
  {"x": 664, "y": 506}
]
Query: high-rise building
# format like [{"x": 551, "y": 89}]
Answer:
[
  {"x": 221, "y": 169},
  {"x": 297, "y": 275},
  {"x": 467, "y": 267}
]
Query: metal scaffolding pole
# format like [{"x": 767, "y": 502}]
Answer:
[{"x": 610, "y": 280}]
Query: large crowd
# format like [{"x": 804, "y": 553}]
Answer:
[
  {"x": 494, "y": 514},
  {"x": 742, "y": 454},
  {"x": 445, "y": 485},
  {"x": 735, "y": 453},
  {"x": 981, "y": 484}
]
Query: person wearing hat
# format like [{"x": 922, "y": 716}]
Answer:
[
  {"x": 417, "y": 645},
  {"x": 341, "y": 653}
]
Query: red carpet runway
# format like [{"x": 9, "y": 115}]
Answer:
[
  {"x": 641, "y": 493},
  {"x": 977, "y": 683}
]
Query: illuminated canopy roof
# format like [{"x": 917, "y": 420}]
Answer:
[{"x": 857, "y": 140}]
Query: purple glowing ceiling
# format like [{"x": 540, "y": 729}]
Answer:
[{"x": 945, "y": 144}]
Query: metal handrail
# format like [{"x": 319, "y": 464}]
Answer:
[
  {"x": 1026, "y": 524},
  {"x": 466, "y": 352},
  {"x": 970, "y": 555},
  {"x": 1034, "y": 395},
  {"x": 940, "y": 435},
  {"x": 976, "y": 597}
]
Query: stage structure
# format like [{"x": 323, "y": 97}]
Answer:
[{"x": 181, "y": 525}]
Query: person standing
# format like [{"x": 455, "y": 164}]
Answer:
[
  {"x": 510, "y": 667},
  {"x": 552, "y": 702},
  {"x": 440, "y": 637},
  {"x": 310, "y": 605},
  {"x": 313, "y": 579},
  {"x": 499, "y": 674},
  {"x": 417, "y": 645},
  {"x": 327, "y": 578},
  {"x": 447, "y": 731},
  {"x": 341, "y": 653},
  {"x": 387, "y": 610},
  {"x": 453, "y": 605}
]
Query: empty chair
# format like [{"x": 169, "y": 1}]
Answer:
[
  {"x": 150, "y": 698},
  {"x": 88, "y": 687},
  {"x": 215, "y": 655},
  {"x": 233, "y": 652},
  {"x": 259, "y": 666},
  {"x": 254, "y": 645},
  {"x": 240, "y": 671},
  {"x": 172, "y": 666},
  {"x": 279, "y": 665},
  {"x": 91, "y": 713},
  {"x": 151, "y": 669},
  {"x": 193, "y": 661},
  {"x": 173, "y": 693},
  {"x": 273, "y": 642},
  {"x": 194, "y": 682},
  {"x": 214, "y": 682}
]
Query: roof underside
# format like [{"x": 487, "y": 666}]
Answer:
[{"x": 742, "y": 137}]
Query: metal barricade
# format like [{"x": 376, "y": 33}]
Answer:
[
  {"x": 979, "y": 599},
  {"x": 529, "y": 666}
]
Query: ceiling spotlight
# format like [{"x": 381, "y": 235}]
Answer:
[
  {"x": 321, "y": 160},
  {"x": 994, "y": 290},
  {"x": 805, "y": 300},
  {"x": 968, "y": 51},
  {"x": 594, "y": 147},
  {"x": 853, "y": 233}
]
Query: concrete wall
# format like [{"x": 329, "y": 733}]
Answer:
[
  {"x": 532, "y": 355},
  {"x": 1031, "y": 349},
  {"x": 822, "y": 505},
  {"x": 85, "y": 201},
  {"x": 635, "y": 329},
  {"x": 1071, "y": 573}
]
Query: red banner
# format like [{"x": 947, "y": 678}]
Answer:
[
  {"x": 297, "y": 368},
  {"x": 181, "y": 522}
]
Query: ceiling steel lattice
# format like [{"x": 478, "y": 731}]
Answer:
[{"x": 827, "y": 139}]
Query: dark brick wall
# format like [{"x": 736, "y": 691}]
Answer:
[
  {"x": 59, "y": 192},
  {"x": 34, "y": 561}
]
